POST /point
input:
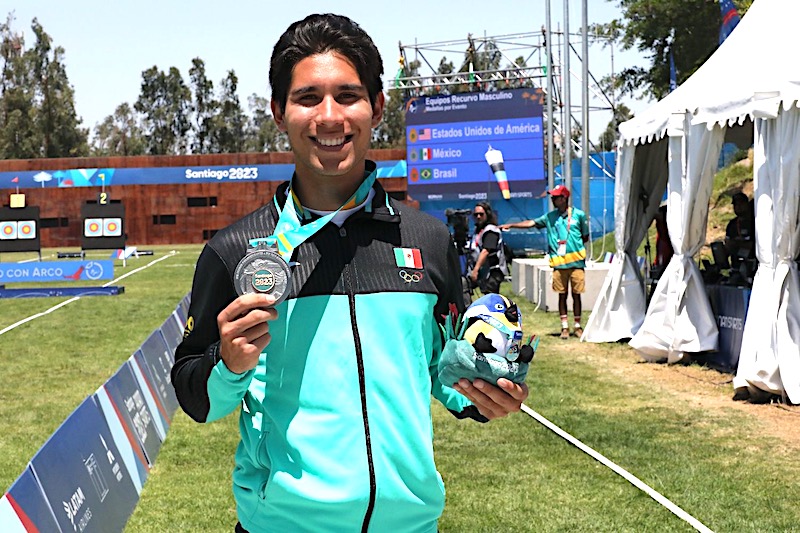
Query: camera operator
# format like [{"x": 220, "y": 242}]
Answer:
[{"x": 486, "y": 249}]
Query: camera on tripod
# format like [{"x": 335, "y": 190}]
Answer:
[{"x": 458, "y": 220}]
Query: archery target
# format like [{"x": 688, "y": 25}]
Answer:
[
  {"x": 26, "y": 229},
  {"x": 93, "y": 227},
  {"x": 8, "y": 230},
  {"x": 112, "y": 227}
]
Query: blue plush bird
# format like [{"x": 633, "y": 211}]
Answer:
[
  {"x": 494, "y": 325},
  {"x": 486, "y": 343}
]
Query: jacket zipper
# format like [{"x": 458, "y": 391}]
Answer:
[{"x": 363, "y": 390}]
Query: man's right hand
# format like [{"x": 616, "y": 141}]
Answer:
[{"x": 244, "y": 330}]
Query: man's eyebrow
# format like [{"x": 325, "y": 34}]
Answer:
[{"x": 312, "y": 88}]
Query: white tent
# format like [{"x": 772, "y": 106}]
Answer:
[{"x": 754, "y": 76}]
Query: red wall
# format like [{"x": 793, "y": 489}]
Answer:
[{"x": 144, "y": 202}]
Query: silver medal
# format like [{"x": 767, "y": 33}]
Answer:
[{"x": 263, "y": 270}]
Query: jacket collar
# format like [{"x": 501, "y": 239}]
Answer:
[{"x": 380, "y": 208}]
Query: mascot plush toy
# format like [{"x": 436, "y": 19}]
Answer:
[{"x": 486, "y": 343}]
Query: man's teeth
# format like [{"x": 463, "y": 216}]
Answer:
[{"x": 331, "y": 142}]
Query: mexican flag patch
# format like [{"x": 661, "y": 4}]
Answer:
[{"x": 408, "y": 257}]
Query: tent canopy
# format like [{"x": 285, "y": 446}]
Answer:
[
  {"x": 754, "y": 75},
  {"x": 749, "y": 75}
]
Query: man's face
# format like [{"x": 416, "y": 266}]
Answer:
[
  {"x": 479, "y": 215},
  {"x": 740, "y": 207},
  {"x": 559, "y": 202},
  {"x": 328, "y": 119}
]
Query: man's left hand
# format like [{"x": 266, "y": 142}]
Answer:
[{"x": 494, "y": 401}]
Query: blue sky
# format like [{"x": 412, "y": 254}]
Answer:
[{"x": 108, "y": 43}]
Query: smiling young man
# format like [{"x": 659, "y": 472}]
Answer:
[{"x": 332, "y": 375}]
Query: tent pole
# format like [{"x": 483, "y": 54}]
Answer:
[
  {"x": 550, "y": 141},
  {"x": 585, "y": 111},
  {"x": 567, "y": 127}
]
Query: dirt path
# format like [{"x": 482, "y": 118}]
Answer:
[{"x": 703, "y": 388}]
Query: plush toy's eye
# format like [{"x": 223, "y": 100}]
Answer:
[{"x": 499, "y": 306}]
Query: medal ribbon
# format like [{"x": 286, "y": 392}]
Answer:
[{"x": 290, "y": 232}]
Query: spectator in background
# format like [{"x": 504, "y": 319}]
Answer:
[
  {"x": 487, "y": 251},
  {"x": 664, "y": 251},
  {"x": 740, "y": 234},
  {"x": 567, "y": 233}
]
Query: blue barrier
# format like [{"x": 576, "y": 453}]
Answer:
[
  {"x": 89, "y": 474},
  {"x": 25, "y": 508}
]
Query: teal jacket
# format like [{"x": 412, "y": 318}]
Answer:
[{"x": 335, "y": 420}]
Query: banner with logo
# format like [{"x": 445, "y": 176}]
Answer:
[
  {"x": 172, "y": 330},
  {"x": 151, "y": 397},
  {"x": 24, "y": 507},
  {"x": 729, "y": 304},
  {"x": 82, "y": 474},
  {"x": 129, "y": 448},
  {"x": 158, "y": 360},
  {"x": 98, "y": 177},
  {"x": 128, "y": 402},
  {"x": 43, "y": 271}
]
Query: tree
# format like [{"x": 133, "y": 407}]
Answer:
[
  {"x": 57, "y": 122},
  {"x": 165, "y": 104},
  {"x": 17, "y": 127},
  {"x": 119, "y": 134},
  {"x": 391, "y": 132},
  {"x": 38, "y": 116},
  {"x": 608, "y": 139},
  {"x": 227, "y": 134},
  {"x": 203, "y": 108},
  {"x": 262, "y": 134},
  {"x": 687, "y": 28}
]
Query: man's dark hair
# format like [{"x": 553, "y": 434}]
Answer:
[
  {"x": 491, "y": 217},
  {"x": 318, "y": 34},
  {"x": 739, "y": 197}
]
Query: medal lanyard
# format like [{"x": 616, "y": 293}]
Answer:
[
  {"x": 569, "y": 213},
  {"x": 290, "y": 232}
]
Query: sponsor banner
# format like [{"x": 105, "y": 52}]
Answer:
[
  {"x": 81, "y": 473},
  {"x": 155, "y": 359},
  {"x": 129, "y": 450},
  {"x": 172, "y": 330},
  {"x": 157, "y": 350},
  {"x": 97, "y": 177},
  {"x": 129, "y": 404},
  {"x": 24, "y": 508},
  {"x": 43, "y": 271},
  {"x": 183, "y": 307},
  {"x": 162, "y": 420},
  {"x": 729, "y": 304}
]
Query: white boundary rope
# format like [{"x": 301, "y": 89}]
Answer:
[
  {"x": 76, "y": 298},
  {"x": 633, "y": 480}
]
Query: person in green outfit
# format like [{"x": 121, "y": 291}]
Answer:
[{"x": 567, "y": 233}]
